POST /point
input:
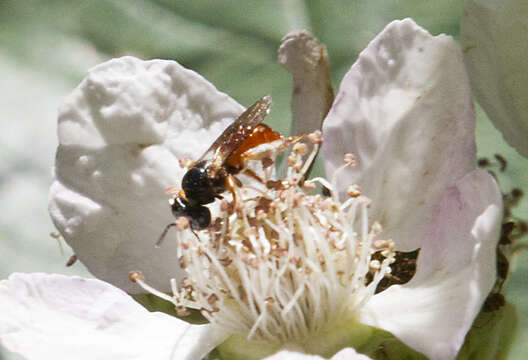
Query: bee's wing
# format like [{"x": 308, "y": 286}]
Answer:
[{"x": 236, "y": 133}]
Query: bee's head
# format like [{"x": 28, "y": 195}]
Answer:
[{"x": 199, "y": 216}]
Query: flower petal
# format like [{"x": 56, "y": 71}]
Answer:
[
  {"x": 496, "y": 53},
  {"x": 292, "y": 355},
  {"x": 121, "y": 133},
  {"x": 405, "y": 111},
  {"x": 345, "y": 354},
  {"x": 60, "y": 317},
  {"x": 306, "y": 60},
  {"x": 349, "y": 354},
  {"x": 455, "y": 272}
]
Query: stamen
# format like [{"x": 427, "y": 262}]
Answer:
[
  {"x": 310, "y": 159},
  {"x": 283, "y": 264},
  {"x": 138, "y": 278}
]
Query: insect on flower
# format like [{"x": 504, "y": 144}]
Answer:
[{"x": 213, "y": 173}]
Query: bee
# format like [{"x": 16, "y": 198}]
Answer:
[{"x": 212, "y": 173}]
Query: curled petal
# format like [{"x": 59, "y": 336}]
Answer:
[
  {"x": 60, "y": 317},
  {"x": 307, "y": 61},
  {"x": 121, "y": 134},
  {"x": 493, "y": 33},
  {"x": 455, "y": 272},
  {"x": 404, "y": 110}
]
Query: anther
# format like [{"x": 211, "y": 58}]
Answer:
[
  {"x": 350, "y": 160},
  {"x": 316, "y": 137},
  {"x": 292, "y": 160},
  {"x": 134, "y": 276},
  {"x": 186, "y": 162},
  {"x": 267, "y": 162},
  {"x": 300, "y": 148},
  {"x": 381, "y": 244},
  {"x": 309, "y": 185},
  {"x": 375, "y": 265},
  {"x": 353, "y": 191},
  {"x": 172, "y": 190}
]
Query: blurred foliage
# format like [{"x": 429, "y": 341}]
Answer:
[
  {"x": 491, "y": 335},
  {"x": 46, "y": 47},
  {"x": 231, "y": 43}
]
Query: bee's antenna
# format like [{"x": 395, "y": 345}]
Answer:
[
  {"x": 164, "y": 233},
  {"x": 166, "y": 230}
]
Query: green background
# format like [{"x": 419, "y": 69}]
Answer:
[{"x": 46, "y": 48}]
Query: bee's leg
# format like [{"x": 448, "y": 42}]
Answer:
[
  {"x": 195, "y": 234},
  {"x": 253, "y": 175},
  {"x": 231, "y": 183}
]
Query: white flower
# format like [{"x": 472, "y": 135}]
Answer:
[
  {"x": 493, "y": 33},
  {"x": 59, "y": 317},
  {"x": 404, "y": 110}
]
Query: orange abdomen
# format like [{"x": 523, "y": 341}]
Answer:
[{"x": 261, "y": 134}]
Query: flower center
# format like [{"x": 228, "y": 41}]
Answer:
[{"x": 283, "y": 263}]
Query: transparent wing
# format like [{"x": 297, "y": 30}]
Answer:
[{"x": 237, "y": 132}]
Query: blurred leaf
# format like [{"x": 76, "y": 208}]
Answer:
[
  {"x": 491, "y": 335},
  {"x": 231, "y": 43}
]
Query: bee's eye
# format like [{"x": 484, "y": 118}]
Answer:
[
  {"x": 200, "y": 217},
  {"x": 179, "y": 207}
]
